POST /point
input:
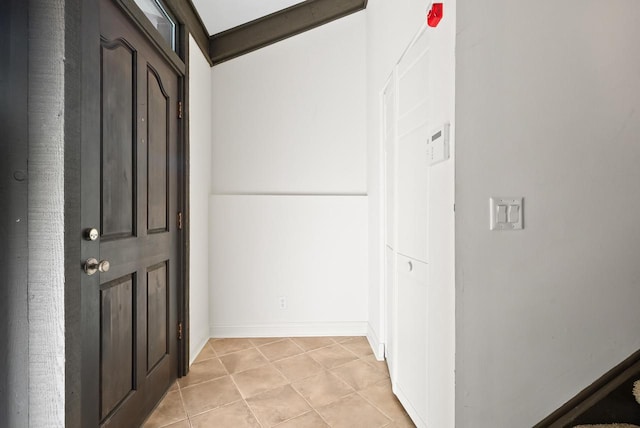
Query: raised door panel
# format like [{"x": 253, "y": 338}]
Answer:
[
  {"x": 414, "y": 121},
  {"x": 118, "y": 166},
  {"x": 118, "y": 332},
  {"x": 157, "y": 315},
  {"x": 411, "y": 339},
  {"x": 158, "y": 131},
  {"x": 390, "y": 157},
  {"x": 413, "y": 195}
]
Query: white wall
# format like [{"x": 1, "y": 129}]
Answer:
[
  {"x": 200, "y": 106},
  {"x": 548, "y": 97},
  {"x": 289, "y": 156},
  {"x": 309, "y": 249},
  {"x": 289, "y": 118}
]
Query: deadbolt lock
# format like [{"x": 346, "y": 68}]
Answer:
[{"x": 91, "y": 234}]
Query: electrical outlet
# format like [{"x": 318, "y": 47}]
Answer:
[{"x": 282, "y": 302}]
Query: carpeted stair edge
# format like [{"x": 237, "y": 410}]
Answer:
[{"x": 636, "y": 394}]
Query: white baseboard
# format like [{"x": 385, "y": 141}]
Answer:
[
  {"x": 374, "y": 342},
  {"x": 290, "y": 330}
]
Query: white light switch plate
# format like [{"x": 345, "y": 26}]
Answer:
[{"x": 506, "y": 213}]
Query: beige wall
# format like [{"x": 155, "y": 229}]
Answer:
[{"x": 548, "y": 98}]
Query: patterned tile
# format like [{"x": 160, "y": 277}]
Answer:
[
  {"x": 302, "y": 382},
  {"x": 353, "y": 412},
  {"x": 259, "y": 341},
  {"x": 202, "y": 372},
  {"x": 209, "y": 395},
  {"x": 227, "y": 346},
  {"x": 243, "y": 360},
  {"x": 359, "y": 374},
  {"x": 278, "y": 405},
  {"x": 311, "y": 343},
  {"x": 308, "y": 420},
  {"x": 279, "y": 350},
  {"x": 332, "y": 356},
  {"x": 322, "y": 389},
  {"x": 298, "y": 367},
  {"x": 381, "y": 396},
  {"x": 255, "y": 381},
  {"x": 181, "y": 424},
  {"x": 169, "y": 410},
  {"x": 206, "y": 353},
  {"x": 358, "y": 345},
  {"x": 236, "y": 415}
]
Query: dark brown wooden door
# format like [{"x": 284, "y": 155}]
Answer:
[{"x": 136, "y": 299}]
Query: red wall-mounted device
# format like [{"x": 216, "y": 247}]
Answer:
[{"x": 434, "y": 15}]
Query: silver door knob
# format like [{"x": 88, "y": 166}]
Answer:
[{"x": 92, "y": 266}]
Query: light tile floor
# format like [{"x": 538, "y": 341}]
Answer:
[{"x": 312, "y": 382}]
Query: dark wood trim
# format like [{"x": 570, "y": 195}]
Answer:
[
  {"x": 187, "y": 14},
  {"x": 14, "y": 348},
  {"x": 183, "y": 177},
  {"x": 73, "y": 136},
  {"x": 279, "y": 26},
  {"x": 89, "y": 206},
  {"x": 593, "y": 394}
]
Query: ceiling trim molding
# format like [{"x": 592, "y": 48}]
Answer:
[
  {"x": 189, "y": 17},
  {"x": 278, "y": 26}
]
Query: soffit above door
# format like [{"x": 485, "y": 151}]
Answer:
[
  {"x": 222, "y": 15},
  {"x": 237, "y": 27}
]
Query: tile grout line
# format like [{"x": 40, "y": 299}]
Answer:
[{"x": 184, "y": 408}]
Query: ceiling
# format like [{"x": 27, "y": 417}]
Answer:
[{"x": 221, "y": 15}]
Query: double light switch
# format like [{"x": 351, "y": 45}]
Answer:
[{"x": 506, "y": 213}]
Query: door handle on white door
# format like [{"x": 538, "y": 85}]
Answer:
[
  {"x": 92, "y": 266},
  {"x": 410, "y": 265}
]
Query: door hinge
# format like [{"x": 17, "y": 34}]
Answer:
[
  {"x": 179, "y": 220},
  {"x": 179, "y": 331},
  {"x": 179, "y": 109}
]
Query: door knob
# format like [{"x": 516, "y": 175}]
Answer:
[{"x": 92, "y": 266}]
